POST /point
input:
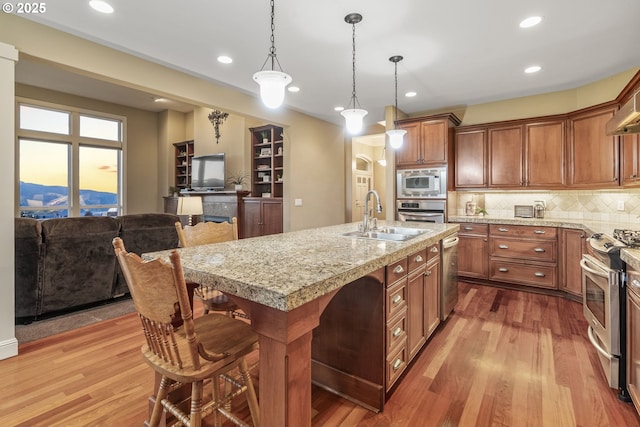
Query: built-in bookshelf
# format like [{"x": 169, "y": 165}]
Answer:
[
  {"x": 183, "y": 156},
  {"x": 267, "y": 170}
]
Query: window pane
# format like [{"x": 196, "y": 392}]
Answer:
[
  {"x": 99, "y": 175},
  {"x": 93, "y": 127},
  {"x": 44, "y": 179},
  {"x": 41, "y": 119}
]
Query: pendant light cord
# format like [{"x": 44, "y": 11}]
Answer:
[
  {"x": 272, "y": 50},
  {"x": 353, "y": 66},
  {"x": 395, "y": 110}
]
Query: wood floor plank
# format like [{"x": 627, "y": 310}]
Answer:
[{"x": 503, "y": 358}]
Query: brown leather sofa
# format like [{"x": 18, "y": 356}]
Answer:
[{"x": 63, "y": 264}]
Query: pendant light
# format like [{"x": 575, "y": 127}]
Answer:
[
  {"x": 272, "y": 82},
  {"x": 383, "y": 160},
  {"x": 396, "y": 136},
  {"x": 353, "y": 116}
]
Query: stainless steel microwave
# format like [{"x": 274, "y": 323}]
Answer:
[{"x": 422, "y": 183}]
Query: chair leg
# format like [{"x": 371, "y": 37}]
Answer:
[
  {"x": 215, "y": 385},
  {"x": 252, "y": 399},
  {"x": 195, "y": 418},
  {"x": 157, "y": 406}
]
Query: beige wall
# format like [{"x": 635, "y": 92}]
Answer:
[
  {"x": 8, "y": 342},
  {"x": 316, "y": 148}
]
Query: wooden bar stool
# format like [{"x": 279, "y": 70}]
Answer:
[
  {"x": 205, "y": 233},
  {"x": 208, "y": 347}
]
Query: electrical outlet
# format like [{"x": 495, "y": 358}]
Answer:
[
  {"x": 620, "y": 205},
  {"x": 297, "y": 202}
]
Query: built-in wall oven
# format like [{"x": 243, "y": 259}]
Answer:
[
  {"x": 421, "y": 210},
  {"x": 603, "y": 305}
]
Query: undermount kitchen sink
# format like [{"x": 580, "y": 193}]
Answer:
[{"x": 397, "y": 234}]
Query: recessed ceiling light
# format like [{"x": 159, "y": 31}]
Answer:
[
  {"x": 101, "y": 6},
  {"x": 532, "y": 69},
  {"x": 225, "y": 59},
  {"x": 339, "y": 108},
  {"x": 293, "y": 89},
  {"x": 530, "y": 21},
  {"x": 410, "y": 94},
  {"x": 160, "y": 100}
]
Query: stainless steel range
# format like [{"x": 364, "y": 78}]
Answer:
[{"x": 604, "y": 302}]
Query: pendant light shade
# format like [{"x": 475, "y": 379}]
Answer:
[
  {"x": 272, "y": 82},
  {"x": 396, "y": 136},
  {"x": 353, "y": 115}
]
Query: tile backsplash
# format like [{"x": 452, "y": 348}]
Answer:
[{"x": 601, "y": 205}]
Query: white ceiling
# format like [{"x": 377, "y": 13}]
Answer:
[{"x": 455, "y": 53}]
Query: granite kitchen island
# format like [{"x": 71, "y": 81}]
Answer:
[{"x": 284, "y": 282}]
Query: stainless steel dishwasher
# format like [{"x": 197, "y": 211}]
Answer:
[{"x": 449, "y": 290}]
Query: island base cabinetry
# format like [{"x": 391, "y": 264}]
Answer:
[{"x": 391, "y": 313}]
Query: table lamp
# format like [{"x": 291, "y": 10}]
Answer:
[{"x": 189, "y": 206}]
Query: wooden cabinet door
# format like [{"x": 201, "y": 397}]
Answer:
[
  {"x": 629, "y": 158},
  {"x": 571, "y": 251},
  {"x": 545, "y": 154},
  {"x": 473, "y": 256},
  {"x": 415, "y": 311},
  {"x": 434, "y": 141},
  {"x": 506, "y": 154},
  {"x": 271, "y": 217},
  {"x": 410, "y": 153},
  {"x": 251, "y": 218},
  {"x": 432, "y": 298},
  {"x": 593, "y": 155},
  {"x": 470, "y": 154},
  {"x": 633, "y": 345}
]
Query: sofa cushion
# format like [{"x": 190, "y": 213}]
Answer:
[
  {"x": 142, "y": 233},
  {"x": 79, "y": 262},
  {"x": 28, "y": 245}
]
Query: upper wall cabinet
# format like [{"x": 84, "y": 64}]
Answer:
[
  {"x": 593, "y": 155},
  {"x": 522, "y": 154},
  {"x": 471, "y": 158},
  {"x": 428, "y": 141},
  {"x": 629, "y": 168}
]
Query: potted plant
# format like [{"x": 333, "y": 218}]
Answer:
[
  {"x": 173, "y": 191},
  {"x": 481, "y": 212},
  {"x": 238, "y": 179}
]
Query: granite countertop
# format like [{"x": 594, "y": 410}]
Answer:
[
  {"x": 580, "y": 224},
  {"x": 285, "y": 271}
]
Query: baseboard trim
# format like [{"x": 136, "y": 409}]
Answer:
[{"x": 8, "y": 348}]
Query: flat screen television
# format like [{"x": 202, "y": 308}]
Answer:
[{"x": 208, "y": 172}]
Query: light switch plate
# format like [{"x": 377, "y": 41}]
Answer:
[
  {"x": 620, "y": 205},
  {"x": 297, "y": 202}
]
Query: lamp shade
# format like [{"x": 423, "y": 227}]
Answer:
[
  {"x": 272, "y": 84},
  {"x": 354, "y": 118},
  {"x": 189, "y": 206},
  {"x": 396, "y": 137}
]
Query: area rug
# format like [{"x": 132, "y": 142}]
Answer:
[{"x": 66, "y": 322}]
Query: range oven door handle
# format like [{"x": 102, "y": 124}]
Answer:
[
  {"x": 583, "y": 265},
  {"x": 596, "y": 344}
]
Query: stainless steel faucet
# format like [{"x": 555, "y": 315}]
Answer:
[{"x": 365, "y": 218}]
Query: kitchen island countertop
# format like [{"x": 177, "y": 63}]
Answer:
[{"x": 285, "y": 271}]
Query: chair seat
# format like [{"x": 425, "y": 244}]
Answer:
[{"x": 218, "y": 335}]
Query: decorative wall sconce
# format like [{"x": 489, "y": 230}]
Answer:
[{"x": 217, "y": 118}]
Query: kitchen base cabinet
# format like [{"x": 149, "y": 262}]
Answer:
[
  {"x": 633, "y": 337},
  {"x": 572, "y": 247},
  {"x": 473, "y": 251},
  {"x": 261, "y": 216},
  {"x": 432, "y": 287}
]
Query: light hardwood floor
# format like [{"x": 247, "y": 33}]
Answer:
[{"x": 504, "y": 358}]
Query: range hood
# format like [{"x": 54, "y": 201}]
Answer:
[{"x": 627, "y": 119}]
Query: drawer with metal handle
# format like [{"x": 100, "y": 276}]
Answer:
[
  {"x": 396, "y": 298},
  {"x": 397, "y": 332},
  {"x": 396, "y": 364},
  {"x": 543, "y": 276},
  {"x": 523, "y": 231},
  {"x": 523, "y": 249},
  {"x": 397, "y": 271}
]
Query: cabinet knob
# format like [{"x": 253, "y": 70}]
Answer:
[
  {"x": 539, "y": 274},
  {"x": 539, "y": 232},
  {"x": 503, "y": 230},
  {"x": 419, "y": 258},
  {"x": 539, "y": 250},
  {"x": 635, "y": 283},
  {"x": 427, "y": 273},
  {"x": 398, "y": 269},
  {"x": 503, "y": 269},
  {"x": 503, "y": 246},
  {"x": 397, "y": 364},
  {"x": 468, "y": 228},
  {"x": 396, "y": 299},
  {"x": 397, "y": 332},
  {"x": 434, "y": 249}
]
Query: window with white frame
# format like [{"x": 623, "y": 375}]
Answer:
[{"x": 69, "y": 161}]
